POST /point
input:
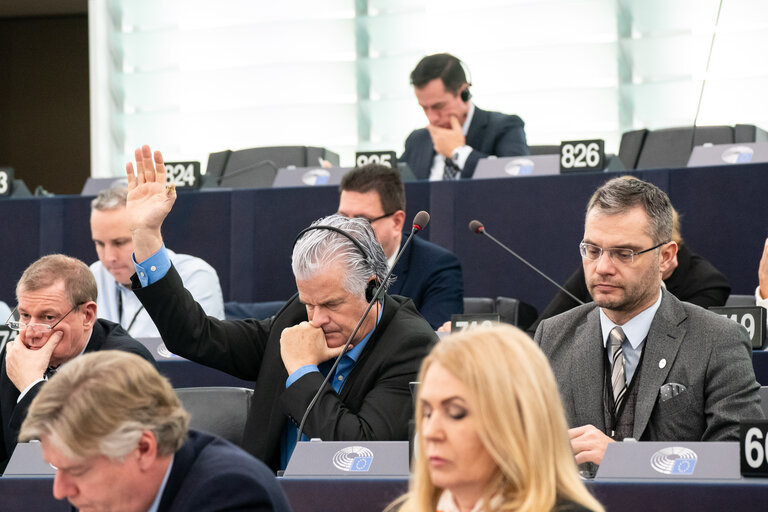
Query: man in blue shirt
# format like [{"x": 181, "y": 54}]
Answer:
[{"x": 337, "y": 265}]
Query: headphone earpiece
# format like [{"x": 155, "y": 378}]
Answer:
[
  {"x": 465, "y": 94},
  {"x": 371, "y": 289}
]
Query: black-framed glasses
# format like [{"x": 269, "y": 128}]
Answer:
[
  {"x": 616, "y": 254},
  {"x": 37, "y": 327},
  {"x": 371, "y": 221},
  {"x": 379, "y": 217}
]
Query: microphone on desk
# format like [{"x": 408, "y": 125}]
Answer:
[
  {"x": 251, "y": 167},
  {"x": 420, "y": 221},
  {"x": 477, "y": 227}
]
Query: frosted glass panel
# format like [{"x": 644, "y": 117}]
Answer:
[{"x": 194, "y": 76}]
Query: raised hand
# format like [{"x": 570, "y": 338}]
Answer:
[{"x": 149, "y": 201}]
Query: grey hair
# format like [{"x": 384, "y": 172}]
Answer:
[
  {"x": 317, "y": 249},
  {"x": 622, "y": 194},
  {"x": 110, "y": 198}
]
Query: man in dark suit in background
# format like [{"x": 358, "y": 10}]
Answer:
[
  {"x": 368, "y": 395},
  {"x": 57, "y": 322},
  {"x": 459, "y": 133},
  {"x": 426, "y": 273},
  {"x": 117, "y": 435},
  {"x": 637, "y": 362}
]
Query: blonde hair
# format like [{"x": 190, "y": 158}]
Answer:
[
  {"x": 520, "y": 422},
  {"x": 79, "y": 283},
  {"x": 100, "y": 403}
]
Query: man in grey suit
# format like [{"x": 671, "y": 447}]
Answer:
[{"x": 637, "y": 362}]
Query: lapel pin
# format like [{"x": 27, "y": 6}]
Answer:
[{"x": 662, "y": 363}]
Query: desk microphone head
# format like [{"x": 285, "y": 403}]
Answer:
[
  {"x": 476, "y": 227},
  {"x": 421, "y": 220}
]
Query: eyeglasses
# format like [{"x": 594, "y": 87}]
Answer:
[
  {"x": 371, "y": 221},
  {"x": 616, "y": 254},
  {"x": 379, "y": 217},
  {"x": 37, "y": 328}
]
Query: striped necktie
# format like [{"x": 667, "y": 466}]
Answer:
[
  {"x": 451, "y": 170},
  {"x": 618, "y": 379}
]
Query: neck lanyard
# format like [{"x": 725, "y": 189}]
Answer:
[{"x": 120, "y": 309}]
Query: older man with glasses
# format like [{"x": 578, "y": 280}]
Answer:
[
  {"x": 637, "y": 362},
  {"x": 57, "y": 321}
]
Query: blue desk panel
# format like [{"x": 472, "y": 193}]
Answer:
[
  {"x": 315, "y": 495},
  {"x": 247, "y": 235}
]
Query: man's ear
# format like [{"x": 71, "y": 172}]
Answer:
[
  {"x": 89, "y": 308},
  {"x": 146, "y": 449},
  {"x": 668, "y": 254},
  {"x": 399, "y": 218}
]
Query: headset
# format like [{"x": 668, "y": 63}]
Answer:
[
  {"x": 373, "y": 283},
  {"x": 465, "y": 94}
]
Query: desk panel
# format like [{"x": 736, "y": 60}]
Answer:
[
  {"x": 247, "y": 235},
  {"x": 311, "y": 495},
  {"x": 186, "y": 374}
]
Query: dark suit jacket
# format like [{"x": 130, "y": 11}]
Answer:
[
  {"x": 209, "y": 474},
  {"x": 490, "y": 133},
  {"x": 695, "y": 280},
  {"x": 106, "y": 336},
  {"x": 708, "y": 354},
  {"x": 431, "y": 277},
  {"x": 374, "y": 404}
]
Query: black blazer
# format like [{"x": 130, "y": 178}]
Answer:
[
  {"x": 374, "y": 404},
  {"x": 431, "y": 277},
  {"x": 210, "y": 474},
  {"x": 106, "y": 335},
  {"x": 490, "y": 133}
]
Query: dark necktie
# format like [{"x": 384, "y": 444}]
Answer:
[
  {"x": 618, "y": 379},
  {"x": 49, "y": 372},
  {"x": 451, "y": 170}
]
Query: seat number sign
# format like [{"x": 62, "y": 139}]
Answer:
[
  {"x": 582, "y": 155},
  {"x": 185, "y": 175}
]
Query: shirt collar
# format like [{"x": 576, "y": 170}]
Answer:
[
  {"x": 468, "y": 120},
  {"x": 358, "y": 349},
  {"x": 635, "y": 329},
  {"x": 156, "y": 503}
]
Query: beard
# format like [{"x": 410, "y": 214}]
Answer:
[{"x": 627, "y": 296}]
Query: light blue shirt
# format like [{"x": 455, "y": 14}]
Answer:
[
  {"x": 156, "y": 503},
  {"x": 635, "y": 330},
  {"x": 5, "y": 312},
  {"x": 117, "y": 303}
]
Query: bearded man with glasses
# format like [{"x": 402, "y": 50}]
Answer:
[
  {"x": 637, "y": 362},
  {"x": 57, "y": 321}
]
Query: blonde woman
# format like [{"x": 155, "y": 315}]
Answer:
[{"x": 491, "y": 431}]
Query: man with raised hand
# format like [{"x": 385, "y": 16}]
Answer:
[{"x": 337, "y": 265}]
